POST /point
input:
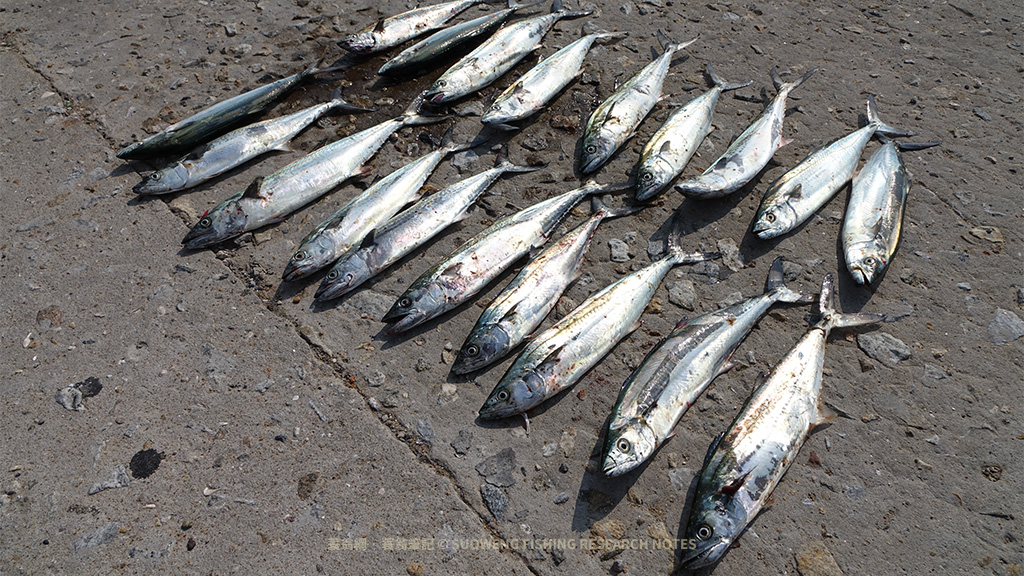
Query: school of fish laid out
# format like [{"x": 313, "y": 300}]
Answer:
[{"x": 396, "y": 215}]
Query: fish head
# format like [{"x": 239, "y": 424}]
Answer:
[
  {"x": 514, "y": 396},
  {"x": 627, "y": 447},
  {"x": 444, "y": 89},
  {"x": 360, "y": 42},
  {"x": 716, "y": 521},
  {"x": 166, "y": 180},
  {"x": 651, "y": 178},
  {"x": 711, "y": 184},
  {"x": 310, "y": 257},
  {"x": 774, "y": 219},
  {"x": 865, "y": 264},
  {"x": 414, "y": 306},
  {"x": 343, "y": 277},
  {"x": 597, "y": 149},
  {"x": 222, "y": 223},
  {"x": 482, "y": 346}
]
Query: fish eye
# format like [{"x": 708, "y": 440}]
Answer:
[
  {"x": 623, "y": 446},
  {"x": 502, "y": 396},
  {"x": 300, "y": 255},
  {"x": 472, "y": 350},
  {"x": 333, "y": 275},
  {"x": 591, "y": 149},
  {"x": 647, "y": 177},
  {"x": 205, "y": 222},
  {"x": 154, "y": 176},
  {"x": 405, "y": 302},
  {"x": 704, "y": 532},
  {"x": 442, "y": 83},
  {"x": 869, "y": 261},
  {"x": 769, "y": 216}
]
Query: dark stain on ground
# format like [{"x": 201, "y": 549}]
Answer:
[
  {"x": 145, "y": 462},
  {"x": 90, "y": 387},
  {"x": 306, "y": 485}
]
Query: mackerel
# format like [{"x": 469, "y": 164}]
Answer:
[
  {"x": 394, "y": 30},
  {"x": 542, "y": 83},
  {"x": 674, "y": 143},
  {"x": 526, "y": 301},
  {"x": 347, "y": 227},
  {"x": 472, "y": 266},
  {"x": 745, "y": 464},
  {"x": 874, "y": 215},
  {"x": 799, "y": 193},
  {"x": 617, "y": 118},
  {"x": 562, "y": 354},
  {"x": 750, "y": 152},
  {"x": 497, "y": 55},
  {"x": 409, "y": 230},
  {"x": 238, "y": 147},
  {"x": 202, "y": 125},
  {"x": 678, "y": 369},
  {"x": 271, "y": 199}
]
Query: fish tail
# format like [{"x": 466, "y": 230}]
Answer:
[
  {"x": 781, "y": 86},
  {"x": 600, "y": 209},
  {"x": 882, "y": 127},
  {"x": 412, "y": 117},
  {"x": 513, "y": 5},
  {"x": 832, "y": 318},
  {"x": 909, "y": 146},
  {"x": 605, "y": 35},
  {"x": 777, "y": 283},
  {"x": 670, "y": 45},
  {"x": 678, "y": 255},
  {"x": 717, "y": 80},
  {"x": 338, "y": 102},
  {"x": 557, "y": 7},
  {"x": 592, "y": 187},
  {"x": 507, "y": 166}
]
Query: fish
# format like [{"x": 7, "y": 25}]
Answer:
[
  {"x": 678, "y": 369},
  {"x": 744, "y": 464},
  {"x": 874, "y": 213},
  {"x": 531, "y": 295},
  {"x": 410, "y": 229},
  {"x": 670, "y": 148},
  {"x": 617, "y": 118},
  {"x": 750, "y": 152},
  {"x": 542, "y": 83},
  {"x": 472, "y": 266},
  {"x": 414, "y": 60},
  {"x": 800, "y": 192},
  {"x": 202, "y": 125},
  {"x": 394, "y": 30},
  {"x": 510, "y": 44},
  {"x": 238, "y": 147},
  {"x": 271, "y": 199},
  {"x": 562, "y": 354},
  {"x": 344, "y": 230}
]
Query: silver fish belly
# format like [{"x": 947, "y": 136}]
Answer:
[
  {"x": 394, "y": 30},
  {"x": 748, "y": 154},
  {"x": 677, "y": 370}
]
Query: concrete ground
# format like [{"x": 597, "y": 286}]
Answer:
[{"x": 225, "y": 425}]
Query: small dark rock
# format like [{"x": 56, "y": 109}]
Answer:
[
  {"x": 144, "y": 463},
  {"x": 495, "y": 500},
  {"x": 90, "y": 387}
]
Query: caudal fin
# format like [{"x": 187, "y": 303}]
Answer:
[
  {"x": 717, "y": 81},
  {"x": 602, "y": 210},
  {"x": 412, "y": 117},
  {"x": 882, "y": 127},
  {"x": 776, "y": 282},
  {"x": 909, "y": 146},
  {"x": 338, "y": 102},
  {"x": 781, "y": 86},
  {"x": 832, "y": 318}
]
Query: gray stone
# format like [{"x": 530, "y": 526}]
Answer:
[
  {"x": 118, "y": 479},
  {"x": 497, "y": 469},
  {"x": 934, "y": 372},
  {"x": 424, "y": 430},
  {"x": 535, "y": 143},
  {"x": 370, "y": 302},
  {"x": 462, "y": 442},
  {"x": 98, "y": 538},
  {"x": 1005, "y": 327},
  {"x": 791, "y": 270},
  {"x": 730, "y": 254},
  {"x": 619, "y": 250},
  {"x": 495, "y": 500},
  {"x": 561, "y": 498},
  {"x": 885, "y": 348},
  {"x": 377, "y": 379},
  {"x": 464, "y": 161},
  {"x": 70, "y": 398},
  {"x": 710, "y": 270},
  {"x": 731, "y": 299},
  {"x": 682, "y": 294}
]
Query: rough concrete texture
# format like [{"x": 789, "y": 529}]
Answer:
[{"x": 289, "y": 433}]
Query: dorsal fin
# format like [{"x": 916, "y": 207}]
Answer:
[
  {"x": 511, "y": 312},
  {"x": 551, "y": 358},
  {"x": 731, "y": 488},
  {"x": 379, "y": 27},
  {"x": 253, "y": 191},
  {"x": 518, "y": 88},
  {"x": 665, "y": 148},
  {"x": 197, "y": 154}
]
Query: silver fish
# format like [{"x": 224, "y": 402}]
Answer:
[
  {"x": 874, "y": 215},
  {"x": 497, "y": 55},
  {"x": 750, "y": 152},
  {"x": 562, "y": 354},
  {"x": 674, "y": 143},
  {"x": 237, "y": 147},
  {"x": 678, "y": 369},
  {"x": 271, "y": 199},
  {"x": 472, "y": 266},
  {"x": 799, "y": 193},
  {"x": 536, "y": 88},
  {"x": 746, "y": 463},
  {"x": 200, "y": 126},
  {"x": 394, "y": 30},
  {"x": 409, "y": 230},
  {"x": 413, "y": 60},
  {"x": 532, "y": 294},
  {"x": 347, "y": 227},
  {"x": 618, "y": 117}
]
